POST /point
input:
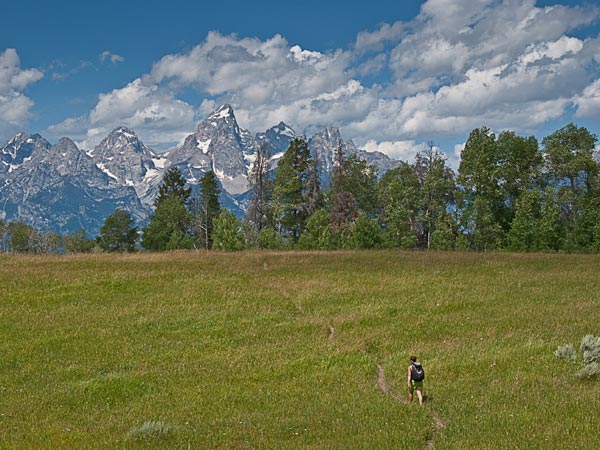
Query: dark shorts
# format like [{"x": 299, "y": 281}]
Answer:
[{"x": 416, "y": 385}]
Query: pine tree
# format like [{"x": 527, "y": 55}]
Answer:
[
  {"x": 290, "y": 190},
  {"x": 208, "y": 210},
  {"x": 228, "y": 234},
  {"x": 260, "y": 213},
  {"x": 118, "y": 233},
  {"x": 173, "y": 184},
  {"x": 170, "y": 225}
]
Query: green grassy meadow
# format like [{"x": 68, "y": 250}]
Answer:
[{"x": 232, "y": 350}]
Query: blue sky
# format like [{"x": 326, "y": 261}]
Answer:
[{"x": 392, "y": 75}]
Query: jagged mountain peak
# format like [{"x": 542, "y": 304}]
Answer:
[
  {"x": 23, "y": 138},
  {"x": 121, "y": 139},
  {"x": 221, "y": 120},
  {"x": 222, "y": 112},
  {"x": 284, "y": 129},
  {"x": 20, "y": 149},
  {"x": 67, "y": 143},
  {"x": 122, "y": 130}
]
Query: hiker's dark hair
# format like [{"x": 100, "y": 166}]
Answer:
[{"x": 413, "y": 359}]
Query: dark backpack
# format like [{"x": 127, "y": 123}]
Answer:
[{"x": 417, "y": 373}]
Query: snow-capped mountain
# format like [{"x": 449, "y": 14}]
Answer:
[
  {"x": 220, "y": 145},
  {"x": 323, "y": 146},
  {"x": 63, "y": 188},
  {"x": 277, "y": 139},
  {"x": 19, "y": 149},
  {"x": 123, "y": 157}
]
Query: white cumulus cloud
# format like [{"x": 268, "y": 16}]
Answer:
[
  {"x": 505, "y": 64},
  {"x": 15, "y": 107}
]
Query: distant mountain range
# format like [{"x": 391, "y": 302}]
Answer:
[{"x": 64, "y": 188}]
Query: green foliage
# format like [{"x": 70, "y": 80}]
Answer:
[
  {"x": 317, "y": 235},
  {"x": 366, "y": 233},
  {"x": 269, "y": 239},
  {"x": 519, "y": 168},
  {"x": 118, "y": 233},
  {"x": 481, "y": 202},
  {"x": 228, "y": 233},
  {"x": 260, "y": 211},
  {"x": 169, "y": 227},
  {"x": 400, "y": 197},
  {"x": 173, "y": 185},
  {"x": 444, "y": 234},
  {"x": 436, "y": 188},
  {"x": 291, "y": 189},
  {"x": 359, "y": 179},
  {"x": 569, "y": 152},
  {"x": 20, "y": 237},
  {"x": 208, "y": 209},
  {"x": 78, "y": 242}
]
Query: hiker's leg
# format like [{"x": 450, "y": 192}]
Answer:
[
  {"x": 420, "y": 396},
  {"x": 410, "y": 394}
]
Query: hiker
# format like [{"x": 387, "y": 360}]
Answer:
[{"x": 415, "y": 378}]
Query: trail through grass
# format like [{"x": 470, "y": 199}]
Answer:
[{"x": 271, "y": 350}]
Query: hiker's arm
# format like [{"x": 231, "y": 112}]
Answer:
[{"x": 408, "y": 378}]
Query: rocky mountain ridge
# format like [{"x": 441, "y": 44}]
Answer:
[{"x": 64, "y": 188}]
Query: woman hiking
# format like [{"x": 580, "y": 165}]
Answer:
[{"x": 415, "y": 378}]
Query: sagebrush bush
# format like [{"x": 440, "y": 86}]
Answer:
[
  {"x": 566, "y": 352},
  {"x": 590, "y": 347},
  {"x": 589, "y": 371},
  {"x": 151, "y": 430}
]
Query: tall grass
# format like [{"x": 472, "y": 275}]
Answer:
[{"x": 234, "y": 350}]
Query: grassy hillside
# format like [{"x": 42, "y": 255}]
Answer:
[{"x": 280, "y": 350}]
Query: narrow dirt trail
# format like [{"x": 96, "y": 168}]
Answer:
[
  {"x": 438, "y": 424},
  {"x": 330, "y": 333},
  {"x": 298, "y": 306}
]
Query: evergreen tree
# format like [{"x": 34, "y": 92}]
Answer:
[
  {"x": 228, "y": 234},
  {"x": 269, "y": 239},
  {"x": 208, "y": 210},
  {"x": 366, "y": 233},
  {"x": 169, "y": 227},
  {"x": 173, "y": 184},
  {"x": 78, "y": 242},
  {"x": 290, "y": 190},
  {"x": 317, "y": 235},
  {"x": 3, "y": 236},
  {"x": 118, "y": 233},
  {"x": 20, "y": 236},
  {"x": 313, "y": 198},
  {"x": 260, "y": 213}
]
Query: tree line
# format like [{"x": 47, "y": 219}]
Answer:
[{"x": 509, "y": 193}]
